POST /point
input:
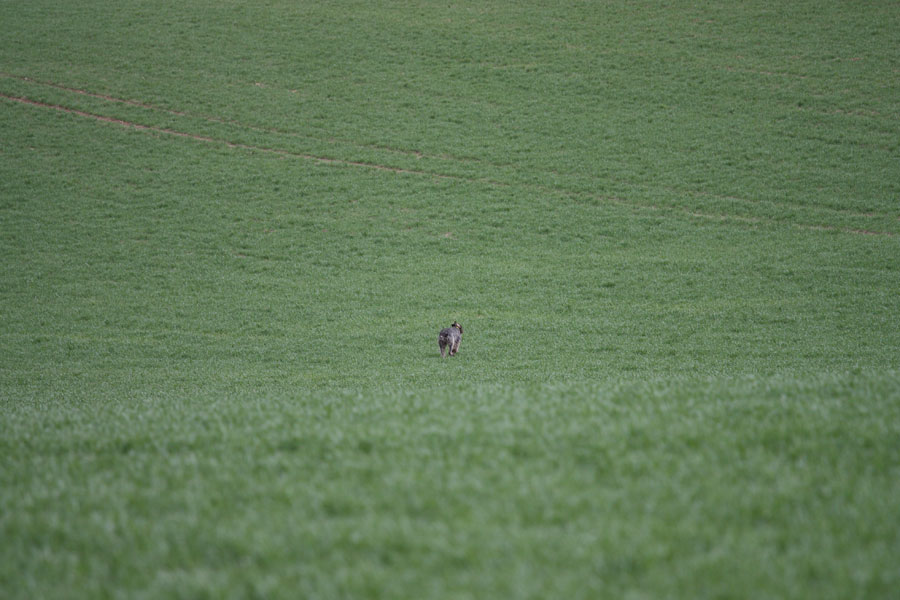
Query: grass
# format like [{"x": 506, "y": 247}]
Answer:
[
  {"x": 231, "y": 233},
  {"x": 730, "y": 488}
]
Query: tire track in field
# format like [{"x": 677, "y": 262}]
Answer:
[
  {"x": 91, "y": 94},
  {"x": 380, "y": 167},
  {"x": 305, "y": 156},
  {"x": 230, "y": 144},
  {"x": 224, "y": 121},
  {"x": 409, "y": 153}
]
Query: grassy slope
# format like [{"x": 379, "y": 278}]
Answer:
[
  {"x": 771, "y": 487},
  {"x": 671, "y": 235}
]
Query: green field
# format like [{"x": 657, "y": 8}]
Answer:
[{"x": 230, "y": 232}]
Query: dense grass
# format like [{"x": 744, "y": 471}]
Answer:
[
  {"x": 229, "y": 236},
  {"x": 737, "y": 488}
]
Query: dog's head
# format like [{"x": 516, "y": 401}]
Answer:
[{"x": 458, "y": 326}]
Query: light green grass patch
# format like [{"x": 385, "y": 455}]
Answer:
[{"x": 739, "y": 487}]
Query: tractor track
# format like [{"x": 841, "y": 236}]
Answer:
[
  {"x": 224, "y": 142},
  {"x": 324, "y": 160}
]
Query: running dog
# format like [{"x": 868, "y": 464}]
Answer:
[{"x": 451, "y": 336}]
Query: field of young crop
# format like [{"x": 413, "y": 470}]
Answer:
[{"x": 230, "y": 233}]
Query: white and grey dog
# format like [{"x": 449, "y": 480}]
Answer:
[{"x": 451, "y": 336}]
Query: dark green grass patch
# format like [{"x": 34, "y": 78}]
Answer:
[{"x": 786, "y": 113}]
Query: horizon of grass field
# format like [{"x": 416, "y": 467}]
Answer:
[{"x": 231, "y": 233}]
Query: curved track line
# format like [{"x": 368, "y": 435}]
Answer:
[
  {"x": 398, "y": 170},
  {"x": 224, "y": 121},
  {"x": 91, "y": 94},
  {"x": 400, "y": 151},
  {"x": 212, "y": 140}
]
